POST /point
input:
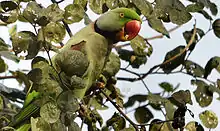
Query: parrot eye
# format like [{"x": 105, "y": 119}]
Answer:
[{"x": 122, "y": 15}]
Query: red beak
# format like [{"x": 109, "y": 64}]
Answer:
[{"x": 130, "y": 30}]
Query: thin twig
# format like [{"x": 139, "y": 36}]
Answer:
[
  {"x": 8, "y": 77},
  {"x": 119, "y": 109}
]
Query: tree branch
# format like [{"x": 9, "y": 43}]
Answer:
[
  {"x": 119, "y": 109},
  {"x": 167, "y": 61}
]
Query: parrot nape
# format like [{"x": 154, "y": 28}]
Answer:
[{"x": 84, "y": 56}]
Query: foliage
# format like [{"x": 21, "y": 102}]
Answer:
[{"x": 59, "y": 108}]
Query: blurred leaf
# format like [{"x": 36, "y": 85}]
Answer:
[
  {"x": 143, "y": 115},
  {"x": 30, "y": 97},
  {"x": 97, "y": 117},
  {"x": 97, "y": 6},
  {"x": 117, "y": 122},
  {"x": 54, "y": 32},
  {"x": 193, "y": 69},
  {"x": 12, "y": 31},
  {"x": 22, "y": 78},
  {"x": 35, "y": 75},
  {"x": 214, "y": 89},
  {"x": 169, "y": 107},
  {"x": 144, "y": 6},
  {"x": 194, "y": 7},
  {"x": 132, "y": 99},
  {"x": 3, "y": 66},
  {"x": 97, "y": 103},
  {"x": 209, "y": 119},
  {"x": 166, "y": 86},
  {"x": 168, "y": 67},
  {"x": 53, "y": 13},
  {"x": 8, "y": 11},
  {"x": 130, "y": 128},
  {"x": 213, "y": 8},
  {"x": 9, "y": 55},
  {"x": 3, "y": 45},
  {"x": 203, "y": 95},
  {"x": 38, "y": 124},
  {"x": 216, "y": 27},
  {"x": 213, "y": 63},
  {"x": 58, "y": 126},
  {"x": 74, "y": 127},
  {"x": 205, "y": 14},
  {"x": 67, "y": 102},
  {"x": 156, "y": 99},
  {"x": 194, "y": 126},
  {"x": 25, "y": 40},
  {"x": 179, "y": 17},
  {"x": 112, "y": 4},
  {"x": 7, "y": 6},
  {"x": 12, "y": 93},
  {"x": 112, "y": 66},
  {"x": 134, "y": 60},
  {"x": 73, "y": 13},
  {"x": 157, "y": 25},
  {"x": 138, "y": 44},
  {"x": 32, "y": 12},
  {"x": 83, "y": 3},
  {"x": 24, "y": 127},
  {"x": 50, "y": 112},
  {"x": 87, "y": 20},
  {"x": 182, "y": 97}
]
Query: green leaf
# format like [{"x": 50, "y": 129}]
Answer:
[
  {"x": 23, "y": 41},
  {"x": 36, "y": 76},
  {"x": 169, "y": 107},
  {"x": 213, "y": 89},
  {"x": 112, "y": 4},
  {"x": 132, "y": 99},
  {"x": 22, "y": 78},
  {"x": 24, "y": 127},
  {"x": 54, "y": 32},
  {"x": 203, "y": 95},
  {"x": 182, "y": 97},
  {"x": 112, "y": 66},
  {"x": 130, "y": 128},
  {"x": 213, "y": 63},
  {"x": 7, "y": 6},
  {"x": 179, "y": 17},
  {"x": 205, "y": 14},
  {"x": 97, "y": 103},
  {"x": 209, "y": 119},
  {"x": 97, "y": 117},
  {"x": 87, "y": 20},
  {"x": 3, "y": 45},
  {"x": 12, "y": 31},
  {"x": 38, "y": 124},
  {"x": 50, "y": 112},
  {"x": 194, "y": 69},
  {"x": 73, "y": 13},
  {"x": 167, "y": 86},
  {"x": 67, "y": 102},
  {"x": 9, "y": 55},
  {"x": 143, "y": 115},
  {"x": 83, "y": 3},
  {"x": 158, "y": 127},
  {"x": 138, "y": 44},
  {"x": 144, "y": 6},
  {"x": 216, "y": 27},
  {"x": 134, "y": 60},
  {"x": 194, "y": 126},
  {"x": 97, "y": 6},
  {"x": 53, "y": 13},
  {"x": 213, "y": 8},
  {"x": 30, "y": 97},
  {"x": 74, "y": 127},
  {"x": 32, "y": 12},
  {"x": 58, "y": 126},
  {"x": 194, "y": 7},
  {"x": 3, "y": 66},
  {"x": 167, "y": 68},
  {"x": 157, "y": 25},
  {"x": 117, "y": 122},
  {"x": 156, "y": 99}
]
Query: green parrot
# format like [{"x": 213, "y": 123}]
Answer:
[{"x": 83, "y": 58}]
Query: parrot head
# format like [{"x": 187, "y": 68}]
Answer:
[{"x": 121, "y": 24}]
